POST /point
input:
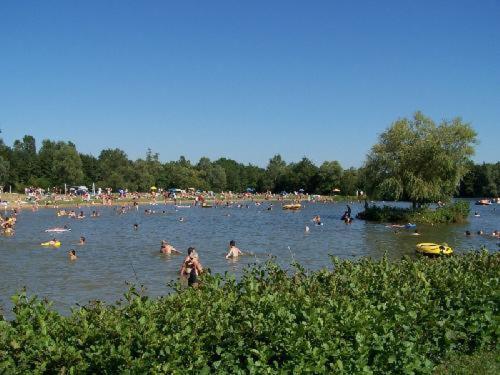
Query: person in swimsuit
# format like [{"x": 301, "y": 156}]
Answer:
[
  {"x": 82, "y": 241},
  {"x": 234, "y": 252},
  {"x": 191, "y": 267},
  {"x": 167, "y": 249},
  {"x": 72, "y": 255}
]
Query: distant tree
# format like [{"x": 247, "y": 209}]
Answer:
[
  {"x": 46, "y": 159},
  {"x": 419, "y": 161},
  {"x": 4, "y": 163},
  {"x": 24, "y": 160},
  {"x": 4, "y": 171},
  {"x": 329, "y": 177},
  {"x": 275, "y": 169},
  {"x": 304, "y": 175},
  {"x": 204, "y": 164},
  {"x": 349, "y": 182},
  {"x": 90, "y": 168},
  {"x": 67, "y": 165},
  {"x": 253, "y": 177},
  {"x": 217, "y": 178},
  {"x": 233, "y": 171},
  {"x": 114, "y": 169}
]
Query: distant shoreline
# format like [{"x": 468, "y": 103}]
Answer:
[{"x": 13, "y": 200}]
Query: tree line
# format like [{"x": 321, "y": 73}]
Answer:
[
  {"x": 54, "y": 164},
  {"x": 415, "y": 159}
]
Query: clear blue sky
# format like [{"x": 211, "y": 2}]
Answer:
[{"x": 246, "y": 80}]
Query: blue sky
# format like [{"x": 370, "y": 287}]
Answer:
[{"x": 245, "y": 80}]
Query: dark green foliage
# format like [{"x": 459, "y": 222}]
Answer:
[
  {"x": 364, "y": 317},
  {"x": 420, "y": 161},
  {"x": 453, "y": 213},
  {"x": 483, "y": 180},
  {"x": 59, "y": 163}
]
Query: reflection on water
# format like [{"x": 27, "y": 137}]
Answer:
[{"x": 116, "y": 253}]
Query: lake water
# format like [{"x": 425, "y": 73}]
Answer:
[{"x": 116, "y": 253}]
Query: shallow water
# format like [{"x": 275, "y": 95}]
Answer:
[{"x": 116, "y": 253}]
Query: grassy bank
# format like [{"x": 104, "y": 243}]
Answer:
[
  {"x": 482, "y": 362},
  {"x": 366, "y": 316},
  {"x": 452, "y": 213}
]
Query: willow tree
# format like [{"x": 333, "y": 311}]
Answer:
[{"x": 419, "y": 161}]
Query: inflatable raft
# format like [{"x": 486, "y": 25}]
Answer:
[
  {"x": 51, "y": 244},
  {"x": 295, "y": 206},
  {"x": 428, "y": 248}
]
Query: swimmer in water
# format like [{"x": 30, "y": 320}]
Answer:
[
  {"x": 317, "y": 220},
  {"x": 234, "y": 252},
  {"x": 136, "y": 226},
  {"x": 82, "y": 241},
  {"x": 72, "y": 255},
  {"x": 181, "y": 219},
  {"x": 467, "y": 232},
  {"x": 167, "y": 249},
  {"x": 416, "y": 233}
]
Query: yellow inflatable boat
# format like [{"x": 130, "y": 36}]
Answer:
[
  {"x": 295, "y": 206},
  {"x": 429, "y": 248},
  {"x": 52, "y": 244}
]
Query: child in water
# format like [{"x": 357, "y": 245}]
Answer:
[
  {"x": 72, "y": 255},
  {"x": 234, "y": 252}
]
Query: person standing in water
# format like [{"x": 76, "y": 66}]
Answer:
[
  {"x": 191, "y": 267},
  {"x": 234, "y": 252}
]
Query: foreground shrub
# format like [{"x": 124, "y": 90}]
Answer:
[
  {"x": 363, "y": 317},
  {"x": 454, "y": 213}
]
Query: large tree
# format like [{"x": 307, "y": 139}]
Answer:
[
  {"x": 419, "y": 161},
  {"x": 67, "y": 165},
  {"x": 329, "y": 177},
  {"x": 24, "y": 160}
]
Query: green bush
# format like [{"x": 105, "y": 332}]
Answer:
[
  {"x": 362, "y": 317},
  {"x": 453, "y": 213}
]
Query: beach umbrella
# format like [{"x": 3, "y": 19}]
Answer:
[
  {"x": 153, "y": 187},
  {"x": 336, "y": 190}
]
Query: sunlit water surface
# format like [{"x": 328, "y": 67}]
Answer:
[{"x": 115, "y": 253}]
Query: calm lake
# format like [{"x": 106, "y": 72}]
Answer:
[{"x": 116, "y": 253}]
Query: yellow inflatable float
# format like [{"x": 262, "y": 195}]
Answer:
[
  {"x": 429, "y": 248},
  {"x": 295, "y": 206},
  {"x": 51, "y": 243}
]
